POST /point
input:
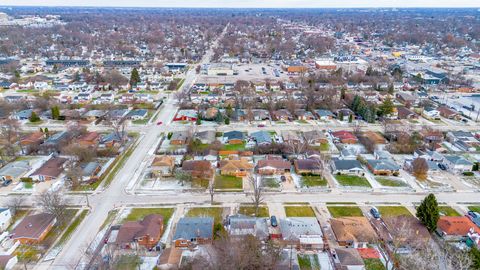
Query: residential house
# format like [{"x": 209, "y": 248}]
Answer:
[
  {"x": 138, "y": 114},
  {"x": 431, "y": 113},
  {"x": 282, "y": 115},
  {"x": 240, "y": 225},
  {"x": 5, "y": 218},
  {"x": 383, "y": 167},
  {"x": 324, "y": 114},
  {"x": 179, "y": 138},
  {"x": 112, "y": 139},
  {"x": 90, "y": 171},
  {"x": 303, "y": 232},
  {"x": 315, "y": 137},
  {"x": 201, "y": 169},
  {"x": 456, "y": 228},
  {"x": 407, "y": 99},
  {"x": 448, "y": 113},
  {"x": 55, "y": 141},
  {"x": 405, "y": 113},
  {"x": 145, "y": 233},
  {"x": 237, "y": 167},
  {"x": 89, "y": 139},
  {"x": 33, "y": 229},
  {"x": 23, "y": 115},
  {"x": 186, "y": 115},
  {"x": 273, "y": 167},
  {"x": 14, "y": 170},
  {"x": 345, "y": 137},
  {"x": 261, "y": 137},
  {"x": 302, "y": 114},
  {"x": 162, "y": 166},
  {"x": 260, "y": 115},
  {"x": 234, "y": 137},
  {"x": 191, "y": 231},
  {"x": 347, "y": 166},
  {"x": 291, "y": 137},
  {"x": 457, "y": 164},
  {"x": 348, "y": 259},
  {"x": 353, "y": 231},
  {"x": 344, "y": 113},
  {"x": 93, "y": 115},
  {"x": 205, "y": 137},
  {"x": 31, "y": 141},
  {"x": 308, "y": 166},
  {"x": 50, "y": 170}
]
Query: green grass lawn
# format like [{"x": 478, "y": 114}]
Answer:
[
  {"x": 448, "y": 211},
  {"x": 324, "y": 147},
  {"x": 249, "y": 210},
  {"x": 475, "y": 208},
  {"x": 307, "y": 262},
  {"x": 59, "y": 228},
  {"x": 270, "y": 182},
  {"x": 137, "y": 214},
  {"x": 228, "y": 182},
  {"x": 200, "y": 183},
  {"x": 313, "y": 181},
  {"x": 390, "y": 182},
  {"x": 352, "y": 180},
  {"x": 215, "y": 212},
  {"x": 299, "y": 211},
  {"x": 393, "y": 211},
  {"x": 373, "y": 264},
  {"x": 234, "y": 147},
  {"x": 345, "y": 211},
  {"x": 302, "y": 121}
]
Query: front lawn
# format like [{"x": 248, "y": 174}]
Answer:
[
  {"x": 214, "y": 212},
  {"x": 248, "y": 210},
  {"x": 234, "y": 147},
  {"x": 228, "y": 182},
  {"x": 313, "y": 181},
  {"x": 448, "y": 211},
  {"x": 373, "y": 264},
  {"x": 137, "y": 214},
  {"x": 352, "y": 180},
  {"x": 324, "y": 147},
  {"x": 200, "y": 183},
  {"x": 390, "y": 182},
  {"x": 393, "y": 211},
  {"x": 299, "y": 211},
  {"x": 345, "y": 211},
  {"x": 270, "y": 182}
]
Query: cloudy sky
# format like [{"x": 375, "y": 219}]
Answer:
[{"x": 248, "y": 3}]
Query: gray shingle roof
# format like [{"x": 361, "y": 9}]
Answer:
[{"x": 194, "y": 227}]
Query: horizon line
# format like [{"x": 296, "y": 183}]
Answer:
[{"x": 246, "y": 7}]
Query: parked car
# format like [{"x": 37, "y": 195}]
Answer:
[
  {"x": 261, "y": 125},
  {"x": 6, "y": 183},
  {"x": 283, "y": 178},
  {"x": 273, "y": 221},
  {"x": 442, "y": 167},
  {"x": 159, "y": 123},
  {"x": 473, "y": 214},
  {"x": 375, "y": 213}
]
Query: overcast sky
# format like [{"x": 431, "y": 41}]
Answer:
[{"x": 247, "y": 3}]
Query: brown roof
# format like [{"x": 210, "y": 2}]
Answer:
[
  {"x": 308, "y": 164},
  {"x": 163, "y": 161},
  {"x": 90, "y": 136},
  {"x": 407, "y": 229},
  {"x": 33, "y": 226},
  {"x": 33, "y": 138},
  {"x": 192, "y": 165},
  {"x": 235, "y": 164},
  {"x": 151, "y": 225},
  {"x": 52, "y": 168},
  {"x": 353, "y": 229},
  {"x": 404, "y": 112},
  {"x": 348, "y": 256},
  {"x": 4, "y": 259},
  {"x": 278, "y": 164}
]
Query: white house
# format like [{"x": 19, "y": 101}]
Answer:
[{"x": 457, "y": 164}]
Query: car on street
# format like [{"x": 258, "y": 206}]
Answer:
[
  {"x": 375, "y": 213},
  {"x": 159, "y": 123},
  {"x": 261, "y": 125},
  {"x": 273, "y": 221},
  {"x": 6, "y": 183}
]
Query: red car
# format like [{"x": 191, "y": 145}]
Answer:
[
  {"x": 159, "y": 123},
  {"x": 261, "y": 125}
]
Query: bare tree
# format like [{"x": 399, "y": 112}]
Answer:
[
  {"x": 420, "y": 168},
  {"x": 14, "y": 204},
  {"x": 211, "y": 190},
  {"x": 8, "y": 135},
  {"x": 53, "y": 203},
  {"x": 257, "y": 195}
]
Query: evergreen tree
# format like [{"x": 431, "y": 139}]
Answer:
[
  {"x": 342, "y": 93},
  {"x": 199, "y": 119},
  {"x": 428, "y": 212},
  {"x": 229, "y": 110},
  {"x": 386, "y": 108},
  {"x": 227, "y": 121},
  {"x": 356, "y": 103},
  {"x": 55, "y": 112},
  {"x": 350, "y": 118},
  {"x": 34, "y": 117},
  {"x": 219, "y": 117},
  {"x": 134, "y": 77},
  {"x": 340, "y": 116},
  {"x": 391, "y": 89}
]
